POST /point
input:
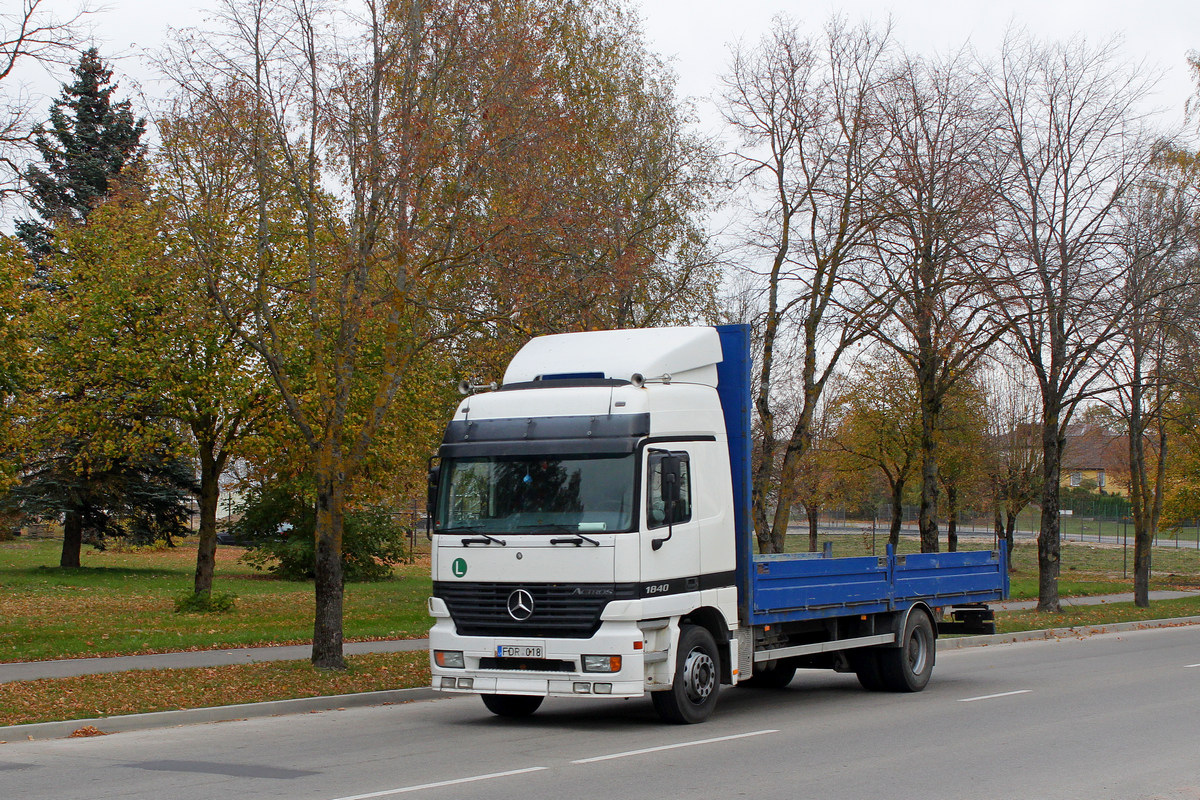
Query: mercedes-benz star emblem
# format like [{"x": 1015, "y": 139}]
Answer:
[{"x": 520, "y": 605}]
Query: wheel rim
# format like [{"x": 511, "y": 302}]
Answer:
[
  {"x": 699, "y": 676},
  {"x": 918, "y": 651}
]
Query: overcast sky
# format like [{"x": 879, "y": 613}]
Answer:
[{"x": 694, "y": 35}]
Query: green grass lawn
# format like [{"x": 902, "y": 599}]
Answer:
[
  {"x": 1106, "y": 614},
  {"x": 123, "y": 603}
]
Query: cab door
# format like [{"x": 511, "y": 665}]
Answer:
[{"x": 670, "y": 530}]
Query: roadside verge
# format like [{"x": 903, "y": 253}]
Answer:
[
  {"x": 165, "y": 719},
  {"x": 193, "y": 716}
]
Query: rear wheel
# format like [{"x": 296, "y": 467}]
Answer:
[
  {"x": 776, "y": 676},
  {"x": 693, "y": 693},
  {"x": 907, "y": 668},
  {"x": 865, "y": 663},
  {"x": 512, "y": 705}
]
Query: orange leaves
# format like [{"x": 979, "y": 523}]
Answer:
[{"x": 86, "y": 730}]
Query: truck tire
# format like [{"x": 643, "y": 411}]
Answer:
[
  {"x": 777, "y": 676},
  {"x": 907, "y": 668},
  {"x": 865, "y": 663},
  {"x": 512, "y": 705},
  {"x": 693, "y": 693}
]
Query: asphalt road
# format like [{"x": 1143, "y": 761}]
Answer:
[{"x": 1109, "y": 717}]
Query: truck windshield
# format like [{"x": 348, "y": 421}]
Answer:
[{"x": 537, "y": 493}]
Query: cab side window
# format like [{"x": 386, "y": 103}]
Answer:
[{"x": 656, "y": 508}]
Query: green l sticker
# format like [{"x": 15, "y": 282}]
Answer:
[{"x": 459, "y": 567}]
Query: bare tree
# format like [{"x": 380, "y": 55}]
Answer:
[
  {"x": 1076, "y": 145},
  {"x": 1014, "y": 463},
  {"x": 32, "y": 32},
  {"x": 935, "y": 245},
  {"x": 1158, "y": 248},
  {"x": 807, "y": 114}
]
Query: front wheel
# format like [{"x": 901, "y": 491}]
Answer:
[
  {"x": 693, "y": 693},
  {"x": 512, "y": 705},
  {"x": 907, "y": 668}
]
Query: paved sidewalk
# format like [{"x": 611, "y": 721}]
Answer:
[
  {"x": 1093, "y": 600},
  {"x": 69, "y": 668}
]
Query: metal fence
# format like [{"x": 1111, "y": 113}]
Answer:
[{"x": 1102, "y": 520}]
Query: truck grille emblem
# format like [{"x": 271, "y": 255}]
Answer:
[{"x": 520, "y": 605}]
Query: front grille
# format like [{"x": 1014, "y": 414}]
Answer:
[{"x": 568, "y": 611}]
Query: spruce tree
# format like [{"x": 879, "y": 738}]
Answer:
[
  {"x": 87, "y": 144},
  {"x": 100, "y": 454}
]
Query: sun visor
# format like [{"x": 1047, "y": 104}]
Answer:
[
  {"x": 608, "y": 433},
  {"x": 686, "y": 354}
]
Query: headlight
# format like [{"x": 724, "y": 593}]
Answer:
[
  {"x": 452, "y": 659},
  {"x": 601, "y": 663}
]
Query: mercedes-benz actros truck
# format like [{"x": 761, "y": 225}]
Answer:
[{"x": 592, "y": 537}]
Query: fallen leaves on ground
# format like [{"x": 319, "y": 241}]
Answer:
[
  {"x": 86, "y": 730},
  {"x": 142, "y": 691}
]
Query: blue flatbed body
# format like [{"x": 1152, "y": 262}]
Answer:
[
  {"x": 789, "y": 587},
  {"x": 807, "y": 586}
]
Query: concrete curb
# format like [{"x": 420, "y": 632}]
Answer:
[
  {"x": 194, "y": 716},
  {"x": 304, "y": 705}
]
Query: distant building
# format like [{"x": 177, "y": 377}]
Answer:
[{"x": 1095, "y": 459}]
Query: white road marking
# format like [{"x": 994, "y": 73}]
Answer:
[
  {"x": 672, "y": 746},
  {"x": 1189, "y": 666},
  {"x": 993, "y": 696},
  {"x": 405, "y": 789}
]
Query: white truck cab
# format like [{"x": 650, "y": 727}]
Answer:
[{"x": 556, "y": 570}]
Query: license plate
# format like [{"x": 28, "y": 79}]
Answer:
[{"x": 519, "y": 651}]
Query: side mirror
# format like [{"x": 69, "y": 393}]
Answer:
[
  {"x": 670, "y": 483},
  {"x": 669, "y": 475},
  {"x": 431, "y": 497}
]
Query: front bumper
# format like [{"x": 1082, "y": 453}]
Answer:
[{"x": 484, "y": 672}]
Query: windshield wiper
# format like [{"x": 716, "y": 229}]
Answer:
[
  {"x": 577, "y": 540},
  {"x": 483, "y": 538}
]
